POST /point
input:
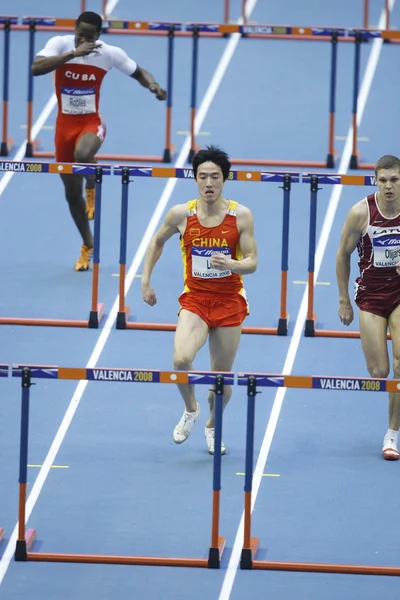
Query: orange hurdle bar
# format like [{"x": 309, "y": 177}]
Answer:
[
  {"x": 26, "y": 537},
  {"x": 97, "y": 308}
]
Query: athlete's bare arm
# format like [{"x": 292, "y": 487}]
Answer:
[
  {"x": 173, "y": 224},
  {"x": 147, "y": 80},
  {"x": 247, "y": 243},
  {"x": 353, "y": 229},
  {"x": 46, "y": 64}
]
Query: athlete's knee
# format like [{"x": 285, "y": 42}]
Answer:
[
  {"x": 182, "y": 361},
  {"x": 396, "y": 365},
  {"x": 83, "y": 154},
  {"x": 378, "y": 371}
]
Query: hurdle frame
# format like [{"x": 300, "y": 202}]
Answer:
[
  {"x": 97, "y": 308},
  {"x": 3, "y": 373},
  {"x": 286, "y": 178},
  {"x": 251, "y": 544},
  {"x": 26, "y": 537},
  {"x": 314, "y": 179}
]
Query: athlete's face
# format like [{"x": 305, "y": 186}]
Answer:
[
  {"x": 388, "y": 182},
  {"x": 85, "y": 32},
  {"x": 210, "y": 182}
]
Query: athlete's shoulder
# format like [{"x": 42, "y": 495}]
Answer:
[
  {"x": 358, "y": 216},
  {"x": 242, "y": 210},
  {"x": 176, "y": 215}
]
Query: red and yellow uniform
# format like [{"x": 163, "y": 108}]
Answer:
[
  {"x": 77, "y": 86},
  {"x": 217, "y": 296}
]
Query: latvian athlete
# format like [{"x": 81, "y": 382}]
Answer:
[
  {"x": 80, "y": 63},
  {"x": 218, "y": 248}
]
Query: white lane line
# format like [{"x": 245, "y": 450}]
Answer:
[
  {"x": 373, "y": 59},
  {"x": 133, "y": 269}
]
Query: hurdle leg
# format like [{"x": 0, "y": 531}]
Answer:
[
  {"x": 97, "y": 309},
  {"x": 195, "y": 55},
  {"x": 6, "y": 74},
  {"x": 311, "y": 317},
  {"x": 217, "y": 541},
  {"x": 330, "y": 161},
  {"x": 357, "y": 45},
  {"x": 366, "y": 15},
  {"x": 284, "y": 317},
  {"x": 25, "y": 537},
  {"x": 123, "y": 310},
  {"x": 226, "y": 11},
  {"x": 250, "y": 545},
  {"x": 29, "y": 143},
  {"x": 170, "y": 68}
]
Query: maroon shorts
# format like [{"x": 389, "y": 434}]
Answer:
[
  {"x": 378, "y": 299},
  {"x": 218, "y": 311}
]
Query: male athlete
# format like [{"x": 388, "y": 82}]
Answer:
[
  {"x": 218, "y": 247},
  {"x": 373, "y": 226},
  {"x": 80, "y": 62}
]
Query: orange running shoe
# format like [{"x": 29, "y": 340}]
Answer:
[
  {"x": 90, "y": 202},
  {"x": 83, "y": 262}
]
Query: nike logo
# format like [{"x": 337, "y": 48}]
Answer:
[{"x": 224, "y": 232}]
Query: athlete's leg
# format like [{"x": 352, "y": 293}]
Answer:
[
  {"x": 86, "y": 148},
  {"x": 191, "y": 335},
  {"x": 223, "y": 345},
  {"x": 73, "y": 194},
  {"x": 394, "y": 402}
]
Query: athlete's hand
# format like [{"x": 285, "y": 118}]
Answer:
[
  {"x": 148, "y": 294},
  {"x": 221, "y": 261},
  {"x": 158, "y": 91},
  {"x": 346, "y": 313},
  {"x": 86, "y": 48}
]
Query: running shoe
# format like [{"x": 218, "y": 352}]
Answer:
[
  {"x": 389, "y": 449},
  {"x": 183, "y": 428},
  {"x": 83, "y": 262},
  {"x": 210, "y": 439},
  {"x": 90, "y": 202}
]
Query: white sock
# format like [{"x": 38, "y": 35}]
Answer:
[{"x": 392, "y": 435}]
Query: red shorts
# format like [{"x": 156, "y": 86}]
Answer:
[
  {"x": 221, "y": 311},
  {"x": 378, "y": 299},
  {"x": 70, "y": 129}
]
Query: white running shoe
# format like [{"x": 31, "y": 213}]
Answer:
[
  {"x": 210, "y": 438},
  {"x": 184, "y": 427},
  {"x": 389, "y": 449}
]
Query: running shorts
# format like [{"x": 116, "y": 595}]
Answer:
[{"x": 221, "y": 311}]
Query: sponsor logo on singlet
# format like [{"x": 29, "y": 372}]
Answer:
[
  {"x": 201, "y": 262},
  {"x": 386, "y": 246},
  {"x": 78, "y": 101}
]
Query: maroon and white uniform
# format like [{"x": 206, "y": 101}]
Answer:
[{"x": 377, "y": 289}]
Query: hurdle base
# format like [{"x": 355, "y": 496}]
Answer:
[
  {"x": 121, "y": 158},
  {"x": 167, "y": 155},
  {"x": 354, "y": 161},
  {"x": 338, "y": 333},
  {"x": 96, "y": 316},
  {"x": 4, "y": 149},
  {"x": 22, "y": 546},
  {"x": 283, "y": 325},
  {"x": 191, "y": 155},
  {"x": 266, "y": 565},
  {"x": 249, "y": 554},
  {"x": 215, "y": 554},
  {"x": 330, "y": 161},
  {"x": 29, "y": 150},
  {"x": 309, "y": 330},
  {"x": 172, "y": 327},
  {"x": 122, "y": 318}
]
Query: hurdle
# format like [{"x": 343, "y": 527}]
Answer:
[
  {"x": 314, "y": 179},
  {"x": 26, "y": 537},
  {"x": 3, "y": 373},
  {"x": 251, "y": 544},
  {"x": 286, "y": 179},
  {"x": 97, "y": 309}
]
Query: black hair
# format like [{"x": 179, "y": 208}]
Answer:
[
  {"x": 91, "y": 18},
  {"x": 213, "y": 154},
  {"x": 387, "y": 162}
]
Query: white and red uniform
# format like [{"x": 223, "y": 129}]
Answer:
[
  {"x": 377, "y": 288},
  {"x": 77, "y": 87}
]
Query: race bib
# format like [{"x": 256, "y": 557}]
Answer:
[
  {"x": 386, "y": 250},
  {"x": 78, "y": 101},
  {"x": 201, "y": 262}
]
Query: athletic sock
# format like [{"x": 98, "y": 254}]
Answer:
[{"x": 392, "y": 434}]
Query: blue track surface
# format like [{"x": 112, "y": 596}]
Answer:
[{"x": 126, "y": 487}]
